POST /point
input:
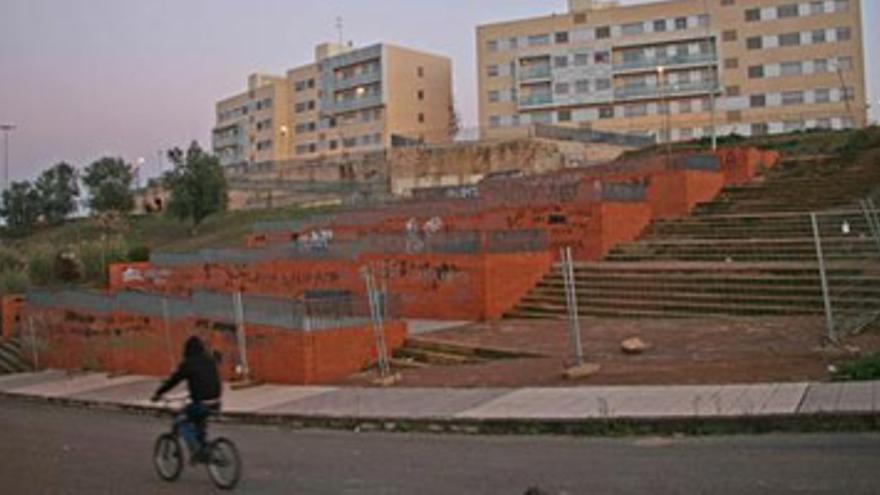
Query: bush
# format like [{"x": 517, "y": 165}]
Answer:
[
  {"x": 41, "y": 267},
  {"x": 864, "y": 369},
  {"x": 11, "y": 260},
  {"x": 139, "y": 254},
  {"x": 96, "y": 256},
  {"x": 14, "y": 282}
]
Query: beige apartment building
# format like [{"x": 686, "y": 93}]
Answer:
[
  {"x": 683, "y": 68},
  {"x": 348, "y": 101}
]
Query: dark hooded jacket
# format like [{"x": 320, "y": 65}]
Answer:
[{"x": 199, "y": 369}]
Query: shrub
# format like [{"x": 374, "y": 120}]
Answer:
[
  {"x": 41, "y": 267},
  {"x": 14, "y": 281},
  {"x": 139, "y": 254},
  {"x": 864, "y": 369}
]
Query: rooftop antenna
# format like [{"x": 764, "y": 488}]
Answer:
[{"x": 339, "y": 29}]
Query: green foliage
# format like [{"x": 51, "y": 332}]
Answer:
[
  {"x": 139, "y": 254},
  {"x": 97, "y": 255},
  {"x": 41, "y": 266},
  {"x": 21, "y": 207},
  {"x": 861, "y": 140},
  {"x": 58, "y": 189},
  {"x": 14, "y": 282},
  {"x": 109, "y": 183},
  {"x": 864, "y": 369},
  {"x": 197, "y": 184}
]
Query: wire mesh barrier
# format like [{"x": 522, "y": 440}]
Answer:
[
  {"x": 848, "y": 250},
  {"x": 308, "y": 314}
]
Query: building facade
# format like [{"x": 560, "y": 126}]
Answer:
[
  {"x": 349, "y": 100},
  {"x": 679, "y": 68}
]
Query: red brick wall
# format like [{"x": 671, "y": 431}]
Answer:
[
  {"x": 509, "y": 277},
  {"x": 141, "y": 345},
  {"x": 11, "y": 312}
]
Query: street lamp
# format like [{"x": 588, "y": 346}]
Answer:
[
  {"x": 664, "y": 101},
  {"x": 6, "y": 128}
]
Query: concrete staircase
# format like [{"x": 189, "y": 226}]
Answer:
[
  {"x": 751, "y": 252},
  {"x": 10, "y": 357}
]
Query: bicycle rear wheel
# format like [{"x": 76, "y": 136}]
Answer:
[
  {"x": 224, "y": 463},
  {"x": 168, "y": 457}
]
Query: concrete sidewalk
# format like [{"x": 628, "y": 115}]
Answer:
[{"x": 630, "y": 403}]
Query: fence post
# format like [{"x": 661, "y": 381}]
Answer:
[
  {"x": 378, "y": 323},
  {"x": 238, "y": 306},
  {"x": 165, "y": 323},
  {"x": 34, "y": 352},
  {"x": 823, "y": 276},
  {"x": 869, "y": 210},
  {"x": 571, "y": 302}
]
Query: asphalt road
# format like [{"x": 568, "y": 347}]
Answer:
[{"x": 49, "y": 449}]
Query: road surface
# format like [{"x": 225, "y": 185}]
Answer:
[{"x": 50, "y": 449}]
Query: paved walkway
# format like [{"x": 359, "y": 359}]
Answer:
[{"x": 634, "y": 402}]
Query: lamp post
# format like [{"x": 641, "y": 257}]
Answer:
[
  {"x": 713, "y": 75},
  {"x": 6, "y": 128},
  {"x": 664, "y": 100}
]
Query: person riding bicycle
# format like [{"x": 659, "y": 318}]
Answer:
[{"x": 199, "y": 369}]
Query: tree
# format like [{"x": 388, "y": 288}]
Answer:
[
  {"x": 21, "y": 207},
  {"x": 109, "y": 183},
  {"x": 58, "y": 189},
  {"x": 197, "y": 184}
]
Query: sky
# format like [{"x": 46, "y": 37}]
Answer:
[{"x": 86, "y": 78}]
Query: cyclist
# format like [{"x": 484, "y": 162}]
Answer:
[{"x": 199, "y": 369}]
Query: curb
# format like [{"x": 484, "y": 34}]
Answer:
[{"x": 598, "y": 427}]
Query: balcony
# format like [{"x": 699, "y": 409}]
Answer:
[
  {"x": 535, "y": 73},
  {"x": 352, "y": 104},
  {"x": 667, "y": 62},
  {"x": 651, "y": 92},
  {"x": 537, "y": 100},
  {"x": 363, "y": 79}
]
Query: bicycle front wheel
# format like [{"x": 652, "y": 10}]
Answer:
[
  {"x": 168, "y": 457},
  {"x": 224, "y": 463}
]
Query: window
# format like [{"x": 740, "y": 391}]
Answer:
[
  {"x": 564, "y": 116},
  {"x": 758, "y": 101},
  {"x": 562, "y": 37},
  {"x": 790, "y": 98},
  {"x": 603, "y": 32},
  {"x": 703, "y": 20},
  {"x": 562, "y": 88},
  {"x": 684, "y": 106},
  {"x": 817, "y": 8},
  {"x": 729, "y": 35},
  {"x": 753, "y": 15},
  {"x": 603, "y": 84},
  {"x": 786, "y": 11},
  {"x": 706, "y": 105},
  {"x": 686, "y": 133},
  {"x": 539, "y": 40},
  {"x": 560, "y": 62},
  {"x": 732, "y": 91},
  {"x": 760, "y": 129},
  {"x": 791, "y": 68},
  {"x": 633, "y": 29},
  {"x": 820, "y": 66},
  {"x": 845, "y": 63},
  {"x": 494, "y": 96},
  {"x": 420, "y": 71},
  {"x": 841, "y": 5},
  {"x": 581, "y": 59},
  {"x": 492, "y": 70},
  {"x": 513, "y": 43},
  {"x": 681, "y": 23},
  {"x": 731, "y": 63},
  {"x": 793, "y": 125},
  {"x": 790, "y": 39},
  {"x": 494, "y": 121},
  {"x": 756, "y": 72},
  {"x": 492, "y": 45},
  {"x": 660, "y": 25},
  {"x": 421, "y": 118},
  {"x": 421, "y": 95},
  {"x": 727, "y": 3},
  {"x": 606, "y": 112},
  {"x": 663, "y": 108},
  {"x": 844, "y": 34},
  {"x": 638, "y": 110},
  {"x": 582, "y": 86},
  {"x": 818, "y": 36},
  {"x": 823, "y": 95},
  {"x": 602, "y": 57},
  {"x": 755, "y": 43},
  {"x": 849, "y": 93}
]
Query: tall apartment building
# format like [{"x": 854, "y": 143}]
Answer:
[
  {"x": 349, "y": 100},
  {"x": 679, "y": 67}
]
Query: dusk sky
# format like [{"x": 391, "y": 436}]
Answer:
[{"x": 84, "y": 78}]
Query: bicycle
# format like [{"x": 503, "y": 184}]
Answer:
[{"x": 220, "y": 455}]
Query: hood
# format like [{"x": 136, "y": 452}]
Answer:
[{"x": 194, "y": 347}]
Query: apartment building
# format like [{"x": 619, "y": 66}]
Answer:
[
  {"x": 679, "y": 69},
  {"x": 349, "y": 100}
]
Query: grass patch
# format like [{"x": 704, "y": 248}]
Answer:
[{"x": 865, "y": 369}]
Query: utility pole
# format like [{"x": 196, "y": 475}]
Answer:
[
  {"x": 6, "y": 128},
  {"x": 713, "y": 73},
  {"x": 665, "y": 104}
]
